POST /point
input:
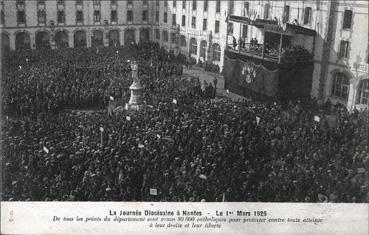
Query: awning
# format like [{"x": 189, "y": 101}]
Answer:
[{"x": 272, "y": 26}]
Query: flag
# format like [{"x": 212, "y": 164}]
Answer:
[
  {"x": 153, "y": 191},
  {"x": 257, "y": 120},
  {"x": 227, "y": 91},
  {"x": 111, "y": 98},
  {"x": 174, "y": 101},
  {"x": 223, "y": 198},
  {"x": 45, "y": 149},
  {"x": 141, "y": 146},
  {"x": 316, "y": 118},
  {"x": 203, "y": 177},
  {"x": 101, "y": 129},
  {"x": 128, "y": 118}
]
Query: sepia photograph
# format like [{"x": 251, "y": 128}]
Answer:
[{"x": 185, "y": 101}]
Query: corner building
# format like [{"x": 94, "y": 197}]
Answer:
[{"x": 199, "y": 29}]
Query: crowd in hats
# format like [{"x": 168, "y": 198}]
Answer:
[{"x": 186, "y": 146}]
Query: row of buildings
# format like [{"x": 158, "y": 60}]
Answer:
[{"x": 199, "y": 28}]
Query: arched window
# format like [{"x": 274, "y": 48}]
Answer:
[
  {"x": 216, "y": 52},
  {"x": 22, "y": 41},
  {"x": 129, "y": 37},
  {"x": 165, "y": 36},
  {"x": 341, "y": 84},
  {"x": 193, "y": 46},
  {"x": 203, "y": 45},
  {"x": 42, "y": 39},
  {"x": 80, "y": 39},
  {"x": 114, "y": 38},
  {"x": 183, "y": 41},
  {"x": 61, "y": 39},
  {"x": 364, "y": 92},
  {"x": 97, "y": 38},
  {"x": 5, "y": 42}
]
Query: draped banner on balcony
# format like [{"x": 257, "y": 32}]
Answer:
[{"x": 247, "y": 78}]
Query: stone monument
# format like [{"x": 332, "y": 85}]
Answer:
[{"x": 135, "y": 100}]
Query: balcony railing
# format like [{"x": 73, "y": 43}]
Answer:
[{"x": 271, "y": 54}]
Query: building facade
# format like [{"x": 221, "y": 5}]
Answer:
[{"x": 199, "y": 29}]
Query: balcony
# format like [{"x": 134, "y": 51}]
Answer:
[{"x": 271, "y": 42}]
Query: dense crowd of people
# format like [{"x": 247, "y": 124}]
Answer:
[{"x": 187, "y": 146}]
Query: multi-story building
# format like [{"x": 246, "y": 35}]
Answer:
[
  {"x": 199, "y": 29},
  {"x": 79, "y": 23}
]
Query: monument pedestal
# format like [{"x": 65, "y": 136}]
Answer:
[{"x": 135, "y": 101}]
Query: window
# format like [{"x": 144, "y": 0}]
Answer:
[
  {"x": 41, "y": 16},
  {"x": 20, "y": 2},
  {"x": 174, "y": 3},
  {"x": 246, "y": 8},
  {"x": 203, "y": 49},
  {"x": 21, "y": 17},
  {"x": 165, "y": 36},
  {"x": 114, "y": 16},
  {"x": 113, "y": 2},
  {"x": 129, "y": 16},
  {"x": 144, "y": 15},
  {"x": 165, "y": 3},
  {"x": 193, "y": 22},
  {"x": 204, "y": 24},
  {"x": 244, "y": 30},
  {"x": 216, "y": 52},
  {"x": 79, "y": 17},
  {"x": 183, "y": 20},
  {"x": 144, "y": 2},
  {"x": 183, "y": 4},
  {"x": 174, "y": 19},
  {"x": 157, "y": 3},
  {"x": 193, "y": 47},
  {"x": 340, "y": 86},
  {"x": 286, "y": 13},
  {"x": 157, "y": 17},
  {"x": 40, "y": 2},
  {"x": 79, "y": 2},
  {"x": 216, "y": 26},
  {"x": 97, "y": 16},
  {"x": 230, "y": 28},
  {"x": 61, "y": 17},
  {"x": 61, "y": 2},
  {"x": 2, "y": 17},
  {"x": 165, "y": 17},
  {"x": 344, "y": 49},
  {"x": 217, "y": 6},
  {"x": 206, "y": 5},
  {"x": 130, "y": 2},
  {"x": 157, "y": 34},
  {"x": 266, "y": 11},
  {"x": 307, "y": 15},
  {"x": 97, "y": 2},
  {"x": 183, "y": 41},
  {"x": 347, "y": 18},
  {"x": 231, "y": 7},
  {"x": 364, "y": 92},
  {"x": 194, "y": 5},
  {"x": 173, "y": 37}
]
